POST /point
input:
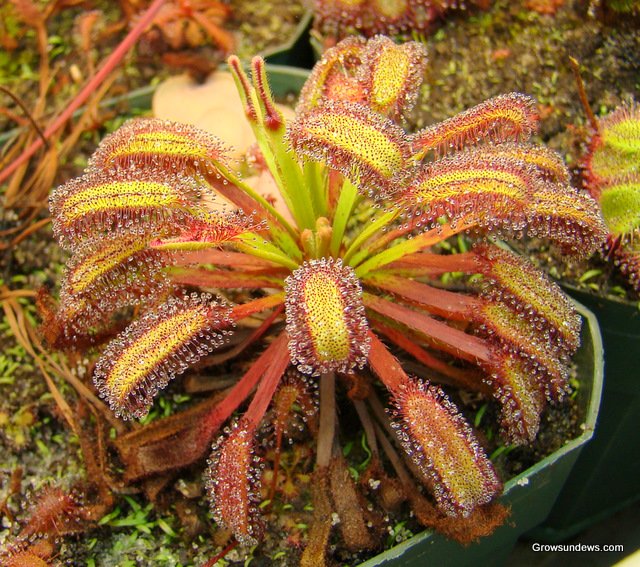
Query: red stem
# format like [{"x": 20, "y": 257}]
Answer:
[
  {"x": 278, "y": 363},
  {"x": 582, "y": 93},
  {"x": 212, "y": 562},
  {"x": 459, "y": 376},
  {"x": 385, "y": 365},
  {"x": 243, "y": 310},
  {"x": 221, "y": 412},
  {"x": 449, "y": 304},
  {"x": 109, "y": 64},
  {"x": 440, "y": 335},
  {"x": 466, "y": 262},
  {"x": 223, "y": 279},
  {"x": 220, "y": 258}
]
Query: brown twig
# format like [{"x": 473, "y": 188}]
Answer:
[
  {"x": 106, "y": 68},
  {"x": 24, "y": 109},
  {"x": 582, "y": 93}
]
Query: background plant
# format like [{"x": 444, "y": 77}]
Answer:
[
  {"x": 353, "y": 260},
  {"x": 612, "y": 176},
  {"x": 337, "y": 19}
]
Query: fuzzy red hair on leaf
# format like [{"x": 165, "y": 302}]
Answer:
[
  {"x": 233, "y": 478},
  {"x": 233, "y": 474},
  {"x": 157, "y": 347},
  {"x": 444, "y": 448},
  {"x": 505, "y": 117},
  {"x": 549, "y": 165},
  {"x": 150, "y": 142},
  {"x": 139, "y": 200},
  {"x": 367, "y": 148},
  {"x": 438, "y": 438},
  {"x": 207, "y": 230},
  {"x": 326, "y": 322}
]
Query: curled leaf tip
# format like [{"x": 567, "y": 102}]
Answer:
[{"x": 207, "y": 230}]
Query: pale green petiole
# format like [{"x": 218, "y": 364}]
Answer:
[
  {"x": 253, "y": 244},
  {"x": 346, "y": 203},
  {"x": 373, "y": 227}
]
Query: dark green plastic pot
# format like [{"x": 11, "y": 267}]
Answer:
[
  {"x": 296, "y": 51},
  {"x": 530, "y": 495},
  {"x": 606, "y": 477}
]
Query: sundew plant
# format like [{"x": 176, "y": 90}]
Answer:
[
  {"x": 612, "y": 177},
  {"x": 343, "y": 283}
]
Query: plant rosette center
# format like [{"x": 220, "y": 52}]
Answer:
[{"x": 353, "y": 269}]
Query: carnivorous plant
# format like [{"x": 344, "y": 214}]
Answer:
[{"x": 342, "y": 284}]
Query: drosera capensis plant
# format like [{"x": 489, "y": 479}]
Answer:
[
  {"x": 349, "y": 272},
  {"x": 337, "y": 19},
  {"x": 612, "y": 177}
]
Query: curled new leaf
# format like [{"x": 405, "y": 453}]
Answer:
[
  {"x": 334, "y": 76},
  {"x": 326, "y": 322},
  {"x": 367, "y": 148},
  {"x": 156, "y": 347},
  {"x": 443, "y": 446}
]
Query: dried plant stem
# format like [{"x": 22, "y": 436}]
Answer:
[
  {"x": 106, "y": 68},
  {"x": 392, "y": 455},
  {"x": 386, "y": 434},
  {"x": 27, "y": 337},
  {"x": 28, "y": 114},
  {"x": 461, "y": 377},
  {"x": 367, "y": 425},
  {"x": 327, "y": 427}
]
